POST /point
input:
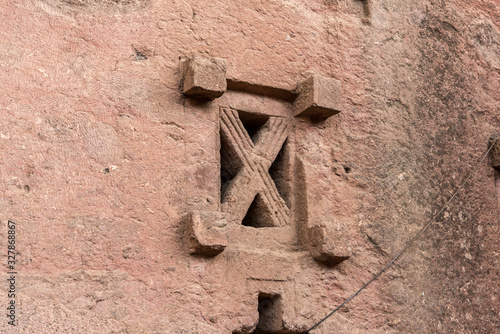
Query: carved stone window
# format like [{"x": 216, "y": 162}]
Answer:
[{"x": 266, "y": 214}]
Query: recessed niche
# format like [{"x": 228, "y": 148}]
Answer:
[
  {"x": 271, "y": 317},
  {"x": 258, "y": 214},
  {"x": 270, "y": 314},
  {"x": 252, "y": 122}
]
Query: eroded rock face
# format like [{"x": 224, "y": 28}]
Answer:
[{"x": 105, "y": 162}]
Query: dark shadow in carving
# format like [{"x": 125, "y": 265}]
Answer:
[
  {"x": 252, "y": 122},
  {"x": 258, "y": 215},
  {"x": 270, "y": 314},
  {"x": 271, "y": 310},
  {"x": 280, "y": 175}
]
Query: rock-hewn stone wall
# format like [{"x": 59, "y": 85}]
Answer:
[{"x": 102, "y": 157}]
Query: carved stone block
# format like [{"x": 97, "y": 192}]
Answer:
[
  {"x": 318, "y": 98},
  {"x": 206, "y": 232},
  {"x": 329, "y": 242},
  {"x": 495, "y": 155},
  {"x": 205, "y": 78}
]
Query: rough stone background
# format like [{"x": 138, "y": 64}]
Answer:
[{"x": 101, "y": 156}]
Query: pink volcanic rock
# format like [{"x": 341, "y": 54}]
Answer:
[{"x": 103, "y": 156}]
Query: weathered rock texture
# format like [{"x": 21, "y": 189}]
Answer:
[{"x": 104, "y": 159}]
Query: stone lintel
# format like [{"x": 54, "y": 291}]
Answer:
[
  {"x": 329, "y": 242},
  {"x": 205, "y": 78},
  {"x": 318, "y": 98},
  {"x": 206, "y": 232}
]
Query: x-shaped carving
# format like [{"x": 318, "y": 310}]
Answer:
[{"x": 253, "y": 179}]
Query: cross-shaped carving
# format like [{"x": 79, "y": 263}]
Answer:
[
  {"x": 253, "y": 180},
  {"x": 253, "y": 186}
]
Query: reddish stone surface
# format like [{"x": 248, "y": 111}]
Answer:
[
  {"x": 103, "y": 156},
  {"x": 204, "y": 78}
]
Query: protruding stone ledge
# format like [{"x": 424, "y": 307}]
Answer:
[
  {"x": 206, "y": 232},
  {"x": 318, "y": 98},
  {"x": 205, "y": 78},
  {"x": 329, "y": 242},
  {"x": 495, "y": 153}
]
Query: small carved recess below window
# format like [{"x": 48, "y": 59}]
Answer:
[{"x": 270, "y": 314}]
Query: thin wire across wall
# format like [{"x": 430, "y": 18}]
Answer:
[{"x": 426, "y": 226}]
